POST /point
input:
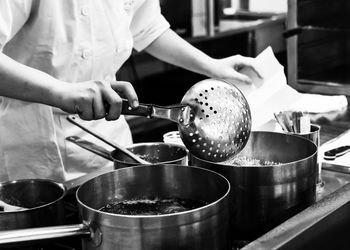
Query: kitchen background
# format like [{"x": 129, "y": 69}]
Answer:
[{"x": 220, "y": 28}]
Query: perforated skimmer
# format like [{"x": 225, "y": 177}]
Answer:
[
  {"x": 213, "y": 119},
  {"x": 221, "y": 120}
]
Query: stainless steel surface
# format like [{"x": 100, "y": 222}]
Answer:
[
  {"x": 5, "y": 207},
  {"x": 332, "y": 182},
  {"x": 202, "y": 228},
  {"x": 176, "y": 113},
  {"x": 265, "y": 196},
  {"x": 221, "y": 120},
  {"x": 44, "y": 233},
  {"x": 324, "y": 225},
  {"x": 42, "y": 198},
  {"x": 155, "y": 152},
  {"x": 92, "y": 147},
  {"x": 73, "y": 120}
]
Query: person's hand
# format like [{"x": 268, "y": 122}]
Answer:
[
  {"x": 96, "y": 99},
  {"x": 230, "y": 68}
]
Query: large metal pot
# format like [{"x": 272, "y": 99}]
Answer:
[
  {"x": 154, "y": 152},
  {"x": 203, "y": 228},
  {"x": 264, "y": 196}
]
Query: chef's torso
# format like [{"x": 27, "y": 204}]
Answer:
[{"x": 75, "y": 41}]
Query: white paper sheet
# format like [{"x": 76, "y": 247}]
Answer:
[{"x": 273, "y": 94}]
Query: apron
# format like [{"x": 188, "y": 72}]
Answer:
[{"x": 74, "y": 41}]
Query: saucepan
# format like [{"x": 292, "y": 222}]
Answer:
[
  {"x": 153, "y": 152},
  {"x": 264, "y": 195},
  {"x": 201, "y": 227},
  {"x": 137, "y": 154},
  {"x": 38, "y": 202}
]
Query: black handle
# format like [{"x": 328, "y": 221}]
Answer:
[
  {"x": 142, "y": 110},
  {"x": 292, "y": 32},
  {"x": 336, "y": 152}
]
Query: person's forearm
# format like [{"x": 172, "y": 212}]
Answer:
[
  {"x": 173, "y": 49},
  {"x": 24, "y": 83}
]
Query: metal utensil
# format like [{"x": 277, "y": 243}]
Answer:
[
  {"x": 133, "y": 156},
  {"x": 154, "y": 152},
  {"x": 220, "y": 120},
  {"x": 213, "y": 119}
]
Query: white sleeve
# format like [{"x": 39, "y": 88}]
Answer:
[
  {"x": 147, "y": 24},
  {"x": 13, "y": 15}
]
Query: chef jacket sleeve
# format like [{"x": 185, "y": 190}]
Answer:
[
  {"x": 147, "y": 24},
  {"x": 13, "y": 15}
]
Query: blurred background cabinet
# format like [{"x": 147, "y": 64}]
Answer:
[
  {"x": 318, "y": 46},
  {"x": 220, "y": 28}
]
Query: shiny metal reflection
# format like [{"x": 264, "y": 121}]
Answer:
[{"x": 264, "y": 196}]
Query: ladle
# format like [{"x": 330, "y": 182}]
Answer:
[
  {"x": 73, "y": 120},
  {"x": 214, "y": 119}
]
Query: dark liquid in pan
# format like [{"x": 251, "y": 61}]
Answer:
[{"x": 151, "y": 206}]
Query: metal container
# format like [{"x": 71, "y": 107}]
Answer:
[
  {"x": 154, "y": 152},
  {"x": 262, "y": 197},
  {"x": 205, "y": 227},
  {"x": 43, "y": 198}
]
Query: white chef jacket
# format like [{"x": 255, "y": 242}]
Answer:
[{"x": 75, "y": 41}]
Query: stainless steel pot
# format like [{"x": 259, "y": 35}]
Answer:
[
  {"x": 203, "y": 228},
  {"x": 154, "y": 152},
  {"x": 264, "y": 196},
  {"x": 44, "y": 199}
]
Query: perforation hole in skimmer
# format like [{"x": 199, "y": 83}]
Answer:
[{"x": 221, "y": 120}]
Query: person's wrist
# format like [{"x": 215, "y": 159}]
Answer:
[
  {"x": 58, "y": 93},
  {"x": 210, "y": 68}
]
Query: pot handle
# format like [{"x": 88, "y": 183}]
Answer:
[
  {"x": 137, "y": 159},
  {"x": 71, "y": 185},
  {"x": 94, "y": 148},
  {"x": 43, "y": 233}
]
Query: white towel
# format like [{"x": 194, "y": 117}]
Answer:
[{"x": 272, "y": 94}]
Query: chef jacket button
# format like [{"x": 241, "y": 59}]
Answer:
[
  {"x": 85, "y": 54},
  {"x": 85, "y": 11}
]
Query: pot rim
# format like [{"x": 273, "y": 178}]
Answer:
[
  {"x": 282, "y": 165},
  {"x": 207, "y": 206},
  {"x": 58, "y": 184}
]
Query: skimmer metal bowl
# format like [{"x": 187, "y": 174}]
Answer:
[{"x": 220, "y": 120}]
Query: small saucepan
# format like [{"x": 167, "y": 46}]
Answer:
[
  {"x": 153, "y": 152},
  {"x": 201, "y": 227},
  {"x": 42, "y": 201}
]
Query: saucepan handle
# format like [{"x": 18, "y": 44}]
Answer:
[
  {"x": 94, "y": 148},
  {"x": 43, "y": 233}
]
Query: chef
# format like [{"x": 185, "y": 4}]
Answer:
[{"x": 60, "y": 57}]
